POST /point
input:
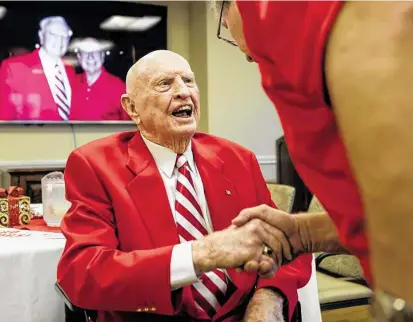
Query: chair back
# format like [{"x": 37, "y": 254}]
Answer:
[
  {"x": 315, "y": 205},
  {"x": 346, "y": 266},
  {"x": 282, "y": 195}
]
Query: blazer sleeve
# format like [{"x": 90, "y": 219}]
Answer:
[
  {"x": 92, "y": 271},
  {"x": 289, "y": 278}
]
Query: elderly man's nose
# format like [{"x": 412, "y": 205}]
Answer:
[{"x": 182, "y": 91}]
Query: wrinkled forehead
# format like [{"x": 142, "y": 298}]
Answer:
[
  {"x": 167, "y": 69},
  {"x": 57, "y": 28}
]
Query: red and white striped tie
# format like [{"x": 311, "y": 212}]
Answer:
[
  {"x": 210, "y": 292},
  {"x": 63, "y": 106}
]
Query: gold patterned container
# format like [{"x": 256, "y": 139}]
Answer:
[
  {"x": 4, "y": 209},
  {"x": 14, "y": 208}
]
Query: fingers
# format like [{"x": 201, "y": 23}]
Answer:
[
  {"x": 267, "y": 267},
  {"x": 259, "y": 234},
  {"x": 276, "y": 239},
  {"x": 252, "y": 266},
  {"x": 271, "y": 216},
  {"x": 277, "y": 226},
  {"x": 272, "y": 237},
  {"x": 250, "y": 213}
]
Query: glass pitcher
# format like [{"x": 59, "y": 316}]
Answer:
[{"x": 54, "y": 200}]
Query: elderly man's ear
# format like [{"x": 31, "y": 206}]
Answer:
[
  {"x": 129, "y": 108},
  {"x": 40, "y": 34}
]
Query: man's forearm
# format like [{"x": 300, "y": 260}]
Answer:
[
  {"x": 265, "y": 305},
  {"x": 373, "y": 102},
  {"x": 318, "y": 233},
  {"x": 201, "y": 257}
]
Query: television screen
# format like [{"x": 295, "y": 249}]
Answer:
[{"x": 66, "y": 61}]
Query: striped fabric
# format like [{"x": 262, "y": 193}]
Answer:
[
  {"x": 211, "y": 290},
  {"x": 62, "y": 102}
]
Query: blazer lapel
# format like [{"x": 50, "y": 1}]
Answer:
[
  {"x": 148, "y": 193},
  {"x": 222, "y": 199},
  {"x": 220, "y": 193}
]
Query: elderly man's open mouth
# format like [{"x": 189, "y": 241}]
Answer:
[{"x": 183, "y": 111}]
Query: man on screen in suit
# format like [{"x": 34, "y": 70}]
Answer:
[
  {"x": 37, "y": 85},
  {"x": 149, "y": 235},
  {"x": 97, "y": 92}
]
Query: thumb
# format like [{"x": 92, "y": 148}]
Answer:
[
  {"x": 243, "y": 217},
  {"x": 250, "y": 213}
]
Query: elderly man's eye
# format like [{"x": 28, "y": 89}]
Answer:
[
  {"x": 189, "y": 80},
  {"x": 165, "y": 82}
]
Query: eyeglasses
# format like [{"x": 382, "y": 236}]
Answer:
[
  {"x": 220, "y": 25},
  {"x": 94, "y": 55}
]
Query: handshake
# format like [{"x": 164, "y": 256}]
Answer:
[{"x": 260, "y": 239}]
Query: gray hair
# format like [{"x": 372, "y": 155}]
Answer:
[
  {"x": 216, "y": 5},
  {"x": 45, "y": 22}
]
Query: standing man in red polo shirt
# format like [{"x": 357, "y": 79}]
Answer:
[
  {"x": 97, "y": 94},
  {"x": 341, "y": 77}
]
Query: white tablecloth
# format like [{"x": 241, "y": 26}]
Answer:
[
  {"x": 27, "y": 276},
  {"x": 28, "y": 273}
]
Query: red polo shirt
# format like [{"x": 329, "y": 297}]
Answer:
[
  {"x": 99, "y": 101},
  {"x": 287, "y": 40}
]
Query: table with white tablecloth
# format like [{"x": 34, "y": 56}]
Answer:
[{"x": 28, "y": 261}]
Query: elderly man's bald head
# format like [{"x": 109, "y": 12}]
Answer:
[
  {"x": 163, "y": 99},
  {"x": 151, "y": 65}
]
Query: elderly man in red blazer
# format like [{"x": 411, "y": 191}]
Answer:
[
  {"x": 38, "y": 86},
  {"x": 149, "y": 234}
]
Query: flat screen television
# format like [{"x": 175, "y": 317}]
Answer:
[{"x": 66, "y": 61}]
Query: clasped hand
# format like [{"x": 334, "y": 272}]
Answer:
[{"x": 241, "y": 245}]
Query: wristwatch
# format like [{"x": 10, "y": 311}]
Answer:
[{"x": 387, "y": 308}]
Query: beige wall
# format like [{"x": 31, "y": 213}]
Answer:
[
  {"x": 238, "y": 109},
  {"x": 233, "y": 103},
  {"x": 198, "y": 55}
]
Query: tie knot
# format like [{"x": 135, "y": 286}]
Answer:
[{"x": 181, "y": 160}]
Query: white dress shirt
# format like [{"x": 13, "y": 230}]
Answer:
[
  {"x": 49, "y": 67},
  {"x": 182, "y": 266}
]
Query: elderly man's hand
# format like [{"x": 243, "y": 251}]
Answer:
[
  {"x": 306, "y": 232},
  {"x": 235, "y": 246},
  {"x": 278, "y": 220}
]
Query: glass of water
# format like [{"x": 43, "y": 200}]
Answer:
[{"x": 54, "y": 200}]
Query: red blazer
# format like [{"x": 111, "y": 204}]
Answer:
[
  {"x": 120, "y": 230},
  {"x": 24, "y": 91},
  {"x": 100, "y": 101}
]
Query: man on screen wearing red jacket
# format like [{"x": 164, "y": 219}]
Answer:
[
  {"x": 38, "y": 86},
  {"x": 149, "y": 235},
  {"x": 97, "y": 92}
]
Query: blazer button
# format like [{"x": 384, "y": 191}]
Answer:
[
  {"x": 153, "y": 309},
  {"x": 139, "y": 310},
  {"x": 146, "y": 309}
]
